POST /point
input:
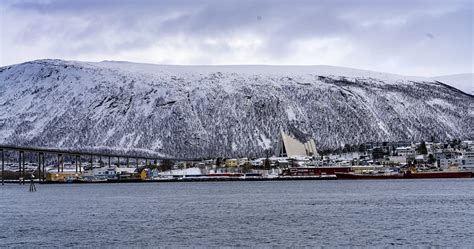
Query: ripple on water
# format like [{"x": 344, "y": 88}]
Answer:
[{"x": 289, "y": 213}]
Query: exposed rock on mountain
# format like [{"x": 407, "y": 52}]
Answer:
[{"x": 202, "y": 111}]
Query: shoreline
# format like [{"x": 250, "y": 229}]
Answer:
[
  {"x": 194, "y": 179},
  {"x": 213, "y": 180}
]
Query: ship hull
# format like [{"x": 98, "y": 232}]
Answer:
[
  {"x": 438, "y": 175},
  {"x": 417, "y": 175},
  {"x": 349, "y": 176}
]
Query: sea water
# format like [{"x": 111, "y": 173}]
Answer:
[{"x": 277, "y": 213}]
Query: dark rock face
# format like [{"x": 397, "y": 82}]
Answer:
[{"x": 217, "y": 113}]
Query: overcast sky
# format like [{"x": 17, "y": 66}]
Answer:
[{"x": 411, "y": 37}]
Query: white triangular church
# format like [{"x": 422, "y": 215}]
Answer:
[{"x": 291, "y": 147}]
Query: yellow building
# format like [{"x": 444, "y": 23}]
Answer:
[
  {"x": 144, "y": 174},
  {"x": 62, "y": 176},
  {"x": 231, "y": 163}
]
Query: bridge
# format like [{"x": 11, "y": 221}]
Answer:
[{"x": 78, "y": 154}]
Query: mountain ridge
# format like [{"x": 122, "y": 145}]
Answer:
[
  {"x": 206, "y": 113},
  {"x": 463, "y": 81}
]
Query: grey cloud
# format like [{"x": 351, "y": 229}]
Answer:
[{"x": 381, "y": 29}]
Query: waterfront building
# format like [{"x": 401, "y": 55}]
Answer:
[
  {"x": 448, "y": 157},
  {"x": 126, "y": 173},
  {"x": 243, "y": 161},
  {"x": 421, "y": 158},
  {"x": 379, "y": 153},
  {"x": 280, "y": 161},
  {"x": 257, "y": 162},
  {"x": 64, "y": 176},
  {"x": 102, "y": 173},
  {"x": 145, "y": 174},
  {"x": 444, "y": 163},
  {"x": 468, "y": 144},
  {"x": 467, "y": 160},
  {"x": 289, "y": 146},
  {"x": 397, "y": 159},
  {"x": 231, "y": 163},
  {"x": 405, "y": 151}
]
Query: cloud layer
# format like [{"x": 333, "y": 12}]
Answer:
[{"x": 407, "y": 37}]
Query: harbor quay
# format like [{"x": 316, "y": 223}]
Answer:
[
  {"x": 107, "y": 168},
  {"x": 293, "y": 160}
]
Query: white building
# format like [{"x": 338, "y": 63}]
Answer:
[
  {"x": 468, "y": 144},
  {"x": 444, "y": 163},
  {"x": 291, "y": 147},
  {"x": 467, "y": 160},
  {"x": 405, "y": 151},
  {"x": 464, "y": 160},
  {"x": 100, "y": 173}
]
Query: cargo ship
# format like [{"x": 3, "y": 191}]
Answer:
[
  {"x": 409, "y": 174},
  {"x": 314, "y": 171},
  {"x": 440, "y": 174},
  {"x": 354, "y": 176}
]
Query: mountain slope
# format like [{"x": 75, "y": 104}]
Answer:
[
  {"x": 463, "y": 82},
  {"x": 202, "y": 111}
]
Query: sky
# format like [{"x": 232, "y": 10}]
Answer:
[{"x": 409, "y": 37}]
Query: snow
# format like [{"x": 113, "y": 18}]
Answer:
[
  {"x": 323, "y": 70},
  {"x": 265, "y": 143},
  {"x": 226, "y": 111},
  {"x": 180, "y": 172},
  {"x": 441, "y": 103},
  {"x": 291, "y": 114},
  {"x": 137, "y": 140},
  {"x": 463, "y": 82},
  {"x": 157, "y": 145},
  {"x": 125, "y": 141}
]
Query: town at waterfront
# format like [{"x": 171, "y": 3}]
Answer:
[{"x": 292, "y": 160}]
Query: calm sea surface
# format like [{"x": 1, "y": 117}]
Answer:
[{"x": 288, "y": 213}]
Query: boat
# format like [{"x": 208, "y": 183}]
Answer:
[
  {"x": 354, "y": 176},
  {"x": 410, "y": 174},
  {"x": 224, "y": 175},
  {"x": 453, "y": 171},
  {"x": 440, "y": 174},
  {"x": 315, "y": 171}
]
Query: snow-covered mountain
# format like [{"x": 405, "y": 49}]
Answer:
[
  {"x": 203, "y": 111},
  {"x": 463, "y": 82}
]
